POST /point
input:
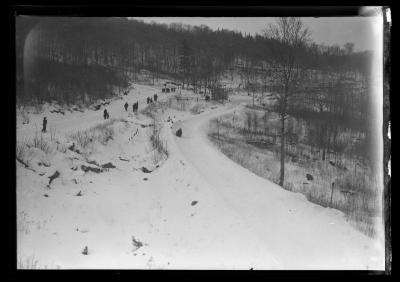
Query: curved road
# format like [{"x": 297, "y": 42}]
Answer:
[{"x": 297, "y": 233}]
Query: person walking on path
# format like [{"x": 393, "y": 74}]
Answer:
[
  {"x": 126, "y": 106},
  {"x": 44, "y": 124},
  {"x": 105, "y": 114}
]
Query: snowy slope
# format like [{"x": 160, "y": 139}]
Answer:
[{"x": 197, "y": 210}]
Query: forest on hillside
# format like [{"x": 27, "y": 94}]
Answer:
[
  {"x": 69, "y": 59},
  {"x": 79, "y": 60}
]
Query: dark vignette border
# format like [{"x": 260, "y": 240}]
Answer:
[{"x": 205, "y": 8}]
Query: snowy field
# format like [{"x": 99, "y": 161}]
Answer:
[{"x": 191, "y": 209}]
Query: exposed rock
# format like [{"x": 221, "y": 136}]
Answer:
[
  {"x": 332, "y": 163},
  {"x": 309, "y": 177},
  {"x": 79, "y": 194},
  {"x": 108, "y": 165},
  {"x": 90, "y": 168},
  {"x": 145, "y": 170},
  {"x": 179, "y": 132},
  {"x": 54, "y": 176},
  {"x": 122, "y": 159},
  {"x": 194, "y": 203},
  {"x": 93, "y": 163}
]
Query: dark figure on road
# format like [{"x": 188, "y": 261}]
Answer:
[
  {"x": 155, "y": 97},
  {"x": 148, "y": 100},
  {"x": 105, "y": 114},
  {"x": 126, "y": 106},
  {"x": 44, "y": 124}
]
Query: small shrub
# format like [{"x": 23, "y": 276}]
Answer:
[
  {"x": 197, "y": 109},
  {"x": 82, "y": 138},
  {"x": 21, "y": 151},
  {"x": 41, "y": 143},
  {"x": 28, "y": 263}
]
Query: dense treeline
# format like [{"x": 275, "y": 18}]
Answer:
[{"x": 85, "y": 58}]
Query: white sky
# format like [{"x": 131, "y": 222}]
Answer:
[{"x": 334, "y": 30}]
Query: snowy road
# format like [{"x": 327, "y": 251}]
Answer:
[{"x": 297, "y": 234}]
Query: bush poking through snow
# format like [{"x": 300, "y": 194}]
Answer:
[
  {"x": 29, "y": 263},
  {"x": 136, "y": 243},
  {"x": 22, "y": 153},
  {"x": 158, "y": 144},
  {"x": 53, "y": 176},
  {"x": 101, "y": 133},
  {"x": 41, "y": 143},
  {"x": 85, "y": 251}
]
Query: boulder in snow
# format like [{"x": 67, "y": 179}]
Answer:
[
  {"x": 179, "y": 132},
  {"x": 108, "y": 165},
  {"x": 145, "y": 169},
  {"x": 90, "y": 168},
  {"x": 309, "y": 177}
]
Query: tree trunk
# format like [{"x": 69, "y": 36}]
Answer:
[{"x": 282, "y": 176}]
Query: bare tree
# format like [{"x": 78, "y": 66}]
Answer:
[{"x": 290, "y": 37}]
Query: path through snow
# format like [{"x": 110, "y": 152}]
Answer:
[{"x": 239, "y": 221}]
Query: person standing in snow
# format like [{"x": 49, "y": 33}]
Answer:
[
  {"x": 126, "y": 106},
  {"x": 155, "y": 97},
  {"x": 44, "y": 124},
  {"x": 105, "y": 113}
]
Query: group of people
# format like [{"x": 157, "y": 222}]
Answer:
[
  {"x": 135, "y": 106},
  {"x": 150, "y": 100},
  {"x": 106, "y": 115}
]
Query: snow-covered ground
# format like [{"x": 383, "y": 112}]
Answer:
[{"x": 195, "y": 210}]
